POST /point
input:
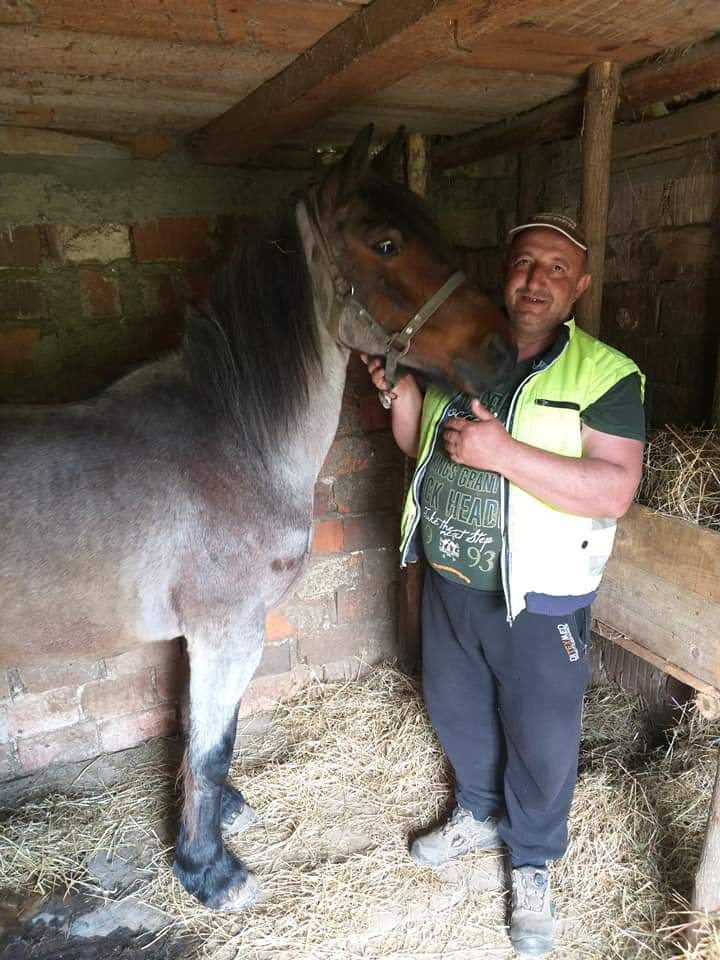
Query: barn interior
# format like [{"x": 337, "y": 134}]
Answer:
[{"x": 140, "y": 138}]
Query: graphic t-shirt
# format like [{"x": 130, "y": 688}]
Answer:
[{"x": 460, "y": 506}]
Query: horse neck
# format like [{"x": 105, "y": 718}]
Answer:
[{"x": 312, "y": 432}]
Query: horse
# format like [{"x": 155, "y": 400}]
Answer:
[{"x": 178, "y": 502}]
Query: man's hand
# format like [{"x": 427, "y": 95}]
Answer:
[
  {"x": 481, "y": 443},
  {"x": 376, "y": 369},
  {"x": 406, "y": 405}
]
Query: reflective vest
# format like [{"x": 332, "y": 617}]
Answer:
[{"x": 551, "y": 561}]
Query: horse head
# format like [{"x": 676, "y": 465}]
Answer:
[{"x": 384, "y": 280}]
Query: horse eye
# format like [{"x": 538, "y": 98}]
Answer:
[{"x": 386, "y": 248}]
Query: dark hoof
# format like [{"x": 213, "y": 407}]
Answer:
[
  {"x": 225, "y": 884},
  {"x": 235, "y": 814}
]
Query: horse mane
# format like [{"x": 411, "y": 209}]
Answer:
[{"x": 252, "y": 345}]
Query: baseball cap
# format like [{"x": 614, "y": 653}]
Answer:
[{"x": 554, "y": 221}]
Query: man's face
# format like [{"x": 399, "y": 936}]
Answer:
[{"x": 545, "y": 276}]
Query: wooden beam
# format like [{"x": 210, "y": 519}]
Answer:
[
  {"x": 693, "y": 122},
  {"x": 417, "y": 167},
  {"x": 380, "y": 44},
  {"x": 600, "y": 100},
  {"x": 690, "y": 73},
  {"x": 28, "y": 141},
  {"x": 706, "y": 892}
]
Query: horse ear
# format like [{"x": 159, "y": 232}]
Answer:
[
  {"x": 346, "y": 173},
  {"x": 385, "y": 162},
  {"x": 356, "y": 162}
]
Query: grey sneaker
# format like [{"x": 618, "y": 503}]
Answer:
[
  {"x": 454, "y": 838},
  {"x": 532, "y": 923}
]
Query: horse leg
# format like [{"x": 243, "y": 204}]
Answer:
[{"x": 218, "y": 678}]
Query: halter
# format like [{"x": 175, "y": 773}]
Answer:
[{"x": 353, "y": 326}]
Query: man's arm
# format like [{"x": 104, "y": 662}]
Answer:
[{"x": 601, "y": 483}]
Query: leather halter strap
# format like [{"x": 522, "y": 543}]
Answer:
[{"x": 353, "y": 326}]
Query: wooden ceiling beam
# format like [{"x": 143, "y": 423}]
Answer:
[
  {"x": 369, "y": 51},
  {"x": 689, "y": 74}
]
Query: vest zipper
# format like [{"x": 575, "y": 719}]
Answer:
[
  {"x": 505, "y": 490},
  {"x": 417, "y": 479}
]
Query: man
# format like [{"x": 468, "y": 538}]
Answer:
[{"x": 514, "y": 502}]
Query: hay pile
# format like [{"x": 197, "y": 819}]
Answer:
[
  {"x": 340, "y": 778},
  {"x": 681, "y": 475}
]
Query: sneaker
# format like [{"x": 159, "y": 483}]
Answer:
[
  {"x": 454, "y": 838},
  {"x": 532, "y": 923}
]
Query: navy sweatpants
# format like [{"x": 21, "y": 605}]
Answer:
[{"x": 506, "y": 704}]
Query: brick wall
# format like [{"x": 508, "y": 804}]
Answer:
[
  {"x": 662, "y": 268},
  {"x": 96, "y": 263}
]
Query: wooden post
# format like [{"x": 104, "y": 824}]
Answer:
[
  {"x": 528, "y": 183},
  {"x": 715, "y": 239},
  {"x": 600, "y": 99},
  {"x": 417, "y": 169},
  {"x": 706, "y": 893}
]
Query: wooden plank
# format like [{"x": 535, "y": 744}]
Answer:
[
  {"x": 664, "y": 619},
  {"x": 227, "y": 71},
  {"x": 368, "y": 52},
  {"x": 706, "y": 892},
  {"x": 675, "y": 550},
  {"x": 277, "y": 24},
  {"x": 644, "y": 657},
  {"x": 695, "y": 122},
  {"x": 640, "y": 88},
  {"x": 50, "y": 143},
  {"x": 600, "y": 100}
]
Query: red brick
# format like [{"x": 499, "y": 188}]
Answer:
[
  {"x": 198, "y": 285},
  {"x": 50, "y": 676},
  {"x": 164, "y": 317},
  {"x": 22, "y": 300},
  {"x": 323, "y": 500},
  {"x": 371, "y": 530},
  {"x": 327, "y": 536},
  {"x": 373, "y": 416},
  {"x": 368, "y": 491},
  {"x": 172, "y": 239},
  {"x": 231, "y": 228},
  {"x": 363, "y": 605},
  {"x": 171, "y": 680},
  {"x": 347, "y": 455},
  {"x": 276, "y": 658},
  {"x": 266, "y": 692},
  {"x": 16, "y": 348},
  {"x": 159, "y": 654},
  {"x": 100, "y": 295},
  {"x": 79, "y": 742},
  {"x": 112, "y": 698},
  {"x": 103, "y": 243},
  {"x": 277, "y": 626},
  {"x": 119, "y": 733},
  {"x": 41, "y": 712},
  {"x": 370, "y": 642},
  {"x": 20, "y": 247}
]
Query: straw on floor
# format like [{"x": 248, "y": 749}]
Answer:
[{"x": 340, "y": 777}]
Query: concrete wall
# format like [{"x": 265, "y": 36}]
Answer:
[{"x": 97, "y": 259}]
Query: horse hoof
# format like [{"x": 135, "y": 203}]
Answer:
[
  {"x": 238, "y": 821},
  {"x": 240, "y": 897}
]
